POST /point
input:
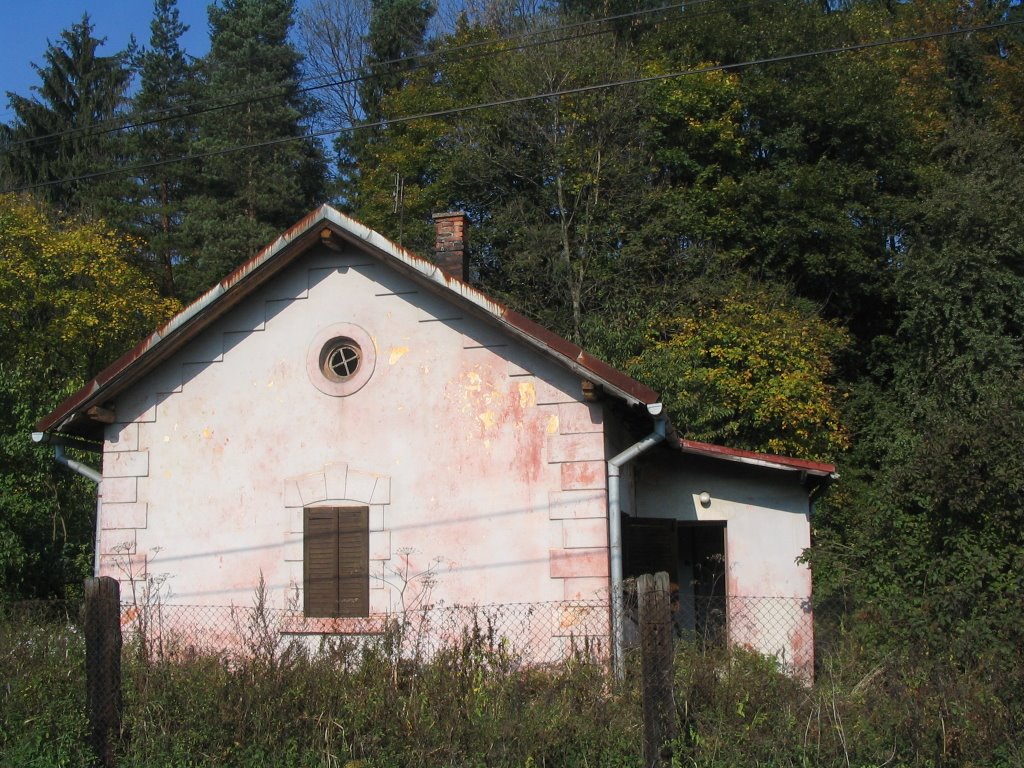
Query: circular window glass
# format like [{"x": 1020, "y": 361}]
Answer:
[{"x": 340, "y": 359}]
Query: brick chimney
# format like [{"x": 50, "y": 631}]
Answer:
[{"x": 450, "y": 244}]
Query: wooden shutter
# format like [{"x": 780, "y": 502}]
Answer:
[{"x": 336, "y": 561}]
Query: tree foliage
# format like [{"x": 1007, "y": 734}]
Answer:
[
  {"x": 70, "y": 301},
  {"x": 64, "y": 132},
  {"x": 812, "y": 254},
  {"x": 168, "y": 86},
  {"x": 749, "y": 369},
  {"x": 243, "y": 199}
]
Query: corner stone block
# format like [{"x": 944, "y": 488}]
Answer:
[
  {"x": 547, "y": 394},
  {"x": 121, "y": 437},
  {"x": 295, "y": 579},
  {"x": 579, "y": 418},
  {"x": 377, "y": 575},
  {"x": 377, "y": 517},
  {"x": 381, "y": 491},
  {"x": 360, "y": 487},
  {"x": 577, "y": 504},
  {"x": 126, "y": 464},
  {"x": 380, "y": 601},
  {"x": 336, "y": 479},
  {"x": 207, "y": 348},
  {"x": 118, "y": 543},
  {"x": 292, "y": 497},
  {"x": 584, "y": 533},
  {"x": 583, "y": 475},
  {"x": 578, "y": 563},
  {"x": 555, "y": 534},
  {"x": 587, "y": 588},
  {"x": 578, "y": 447},
  {"x": 119, "y": 490},
  {"x": 312, "y": 488},
  {"x": 113, "y": 516},
  {"x": 293, "y": 548},
  {"x": 380, "y": 545},
  {"x": 148, "y": 416},
  {"x": 514, "y": 369},
  {"x": 126, "y": 568}
]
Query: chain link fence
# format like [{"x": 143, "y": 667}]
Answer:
[
  {"x": 159, "y": 642},
  {"x": 529, "y": 633}
]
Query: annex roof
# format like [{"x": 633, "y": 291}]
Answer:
[
  {"x": 325, "y": 225},
  {"x": 770, "y": 461}
]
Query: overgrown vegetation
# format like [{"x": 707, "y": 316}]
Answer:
[
  {"x": 816, "y": 254},
  {"x": 349, "y": 703}
]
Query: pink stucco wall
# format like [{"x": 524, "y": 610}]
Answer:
[{"x": 477, "y": 457}]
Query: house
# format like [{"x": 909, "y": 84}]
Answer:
[{"x": 345, "y": 419}]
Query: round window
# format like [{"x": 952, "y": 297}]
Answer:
[{"x": 340, "y": 359}]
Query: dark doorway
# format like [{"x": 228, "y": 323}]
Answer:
[
  {"x": 702, "y": 582},
  {"x": 693, "y": 554}
]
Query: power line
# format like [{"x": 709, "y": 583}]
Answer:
[
  {"x": 134, "y": 121},
  {"x": 533, "y": 97}
]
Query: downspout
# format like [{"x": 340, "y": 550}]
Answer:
[
  {"x": 76, "y": 466},
  {"x": 90, "y": 474},
  {"x": 615, "y": 526}
]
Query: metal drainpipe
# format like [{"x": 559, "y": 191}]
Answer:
[
  {"x": 615, "y": 527},
  {"x": 89, "y": 473},
  {"x": 76, "y": 466}
]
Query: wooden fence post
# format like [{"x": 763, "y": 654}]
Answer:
[
  {"x": 655, "y": 614},
  {"x": 103, "y": 665}
]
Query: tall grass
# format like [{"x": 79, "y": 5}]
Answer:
[
  {"x": 42, "y": 686},
  {"x": 358, "y": 703}
]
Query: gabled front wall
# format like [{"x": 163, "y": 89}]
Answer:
[{"x": 477, "y": 457}]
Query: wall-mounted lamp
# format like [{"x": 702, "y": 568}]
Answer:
[{"x": 705, "y": 499}]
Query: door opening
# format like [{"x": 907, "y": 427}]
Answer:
[{"x": 693, "y": 554}]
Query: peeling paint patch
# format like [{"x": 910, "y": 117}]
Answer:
[
  {"x": 552, "y": 428},
  {"x": 396, "y": 354},
  {"x": 488, "y": 419},
  {"x": 474, "y": 381},
  {"x": 527, "y": 394}
]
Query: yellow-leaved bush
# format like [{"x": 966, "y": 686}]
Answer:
[
  {"x": 70, "y": 298},
  {"x": 749, "y": 371}
]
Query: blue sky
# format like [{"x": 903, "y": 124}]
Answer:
[{"x": 26, "y": 25}]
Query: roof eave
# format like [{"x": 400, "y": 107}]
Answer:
[
  {"x": 166, "y": 340},
  {"x": 821, "y": 472}
]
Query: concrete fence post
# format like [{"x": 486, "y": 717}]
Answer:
[{"x": 103, "y": 665}]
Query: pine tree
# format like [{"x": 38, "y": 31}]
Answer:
[
  {"x": 247, "y": 196},
  {"x": 165, "y": 131},
  {"x": 65, "y": 132}
]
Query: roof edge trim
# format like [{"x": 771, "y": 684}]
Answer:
[{"x": 768, "y": 460}]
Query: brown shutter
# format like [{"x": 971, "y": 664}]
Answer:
[
  {"x": 354, "y": 561},
  {"x": 336, "y": 561}
]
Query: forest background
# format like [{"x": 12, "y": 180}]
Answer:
[{"x": 799, "y": 221}]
